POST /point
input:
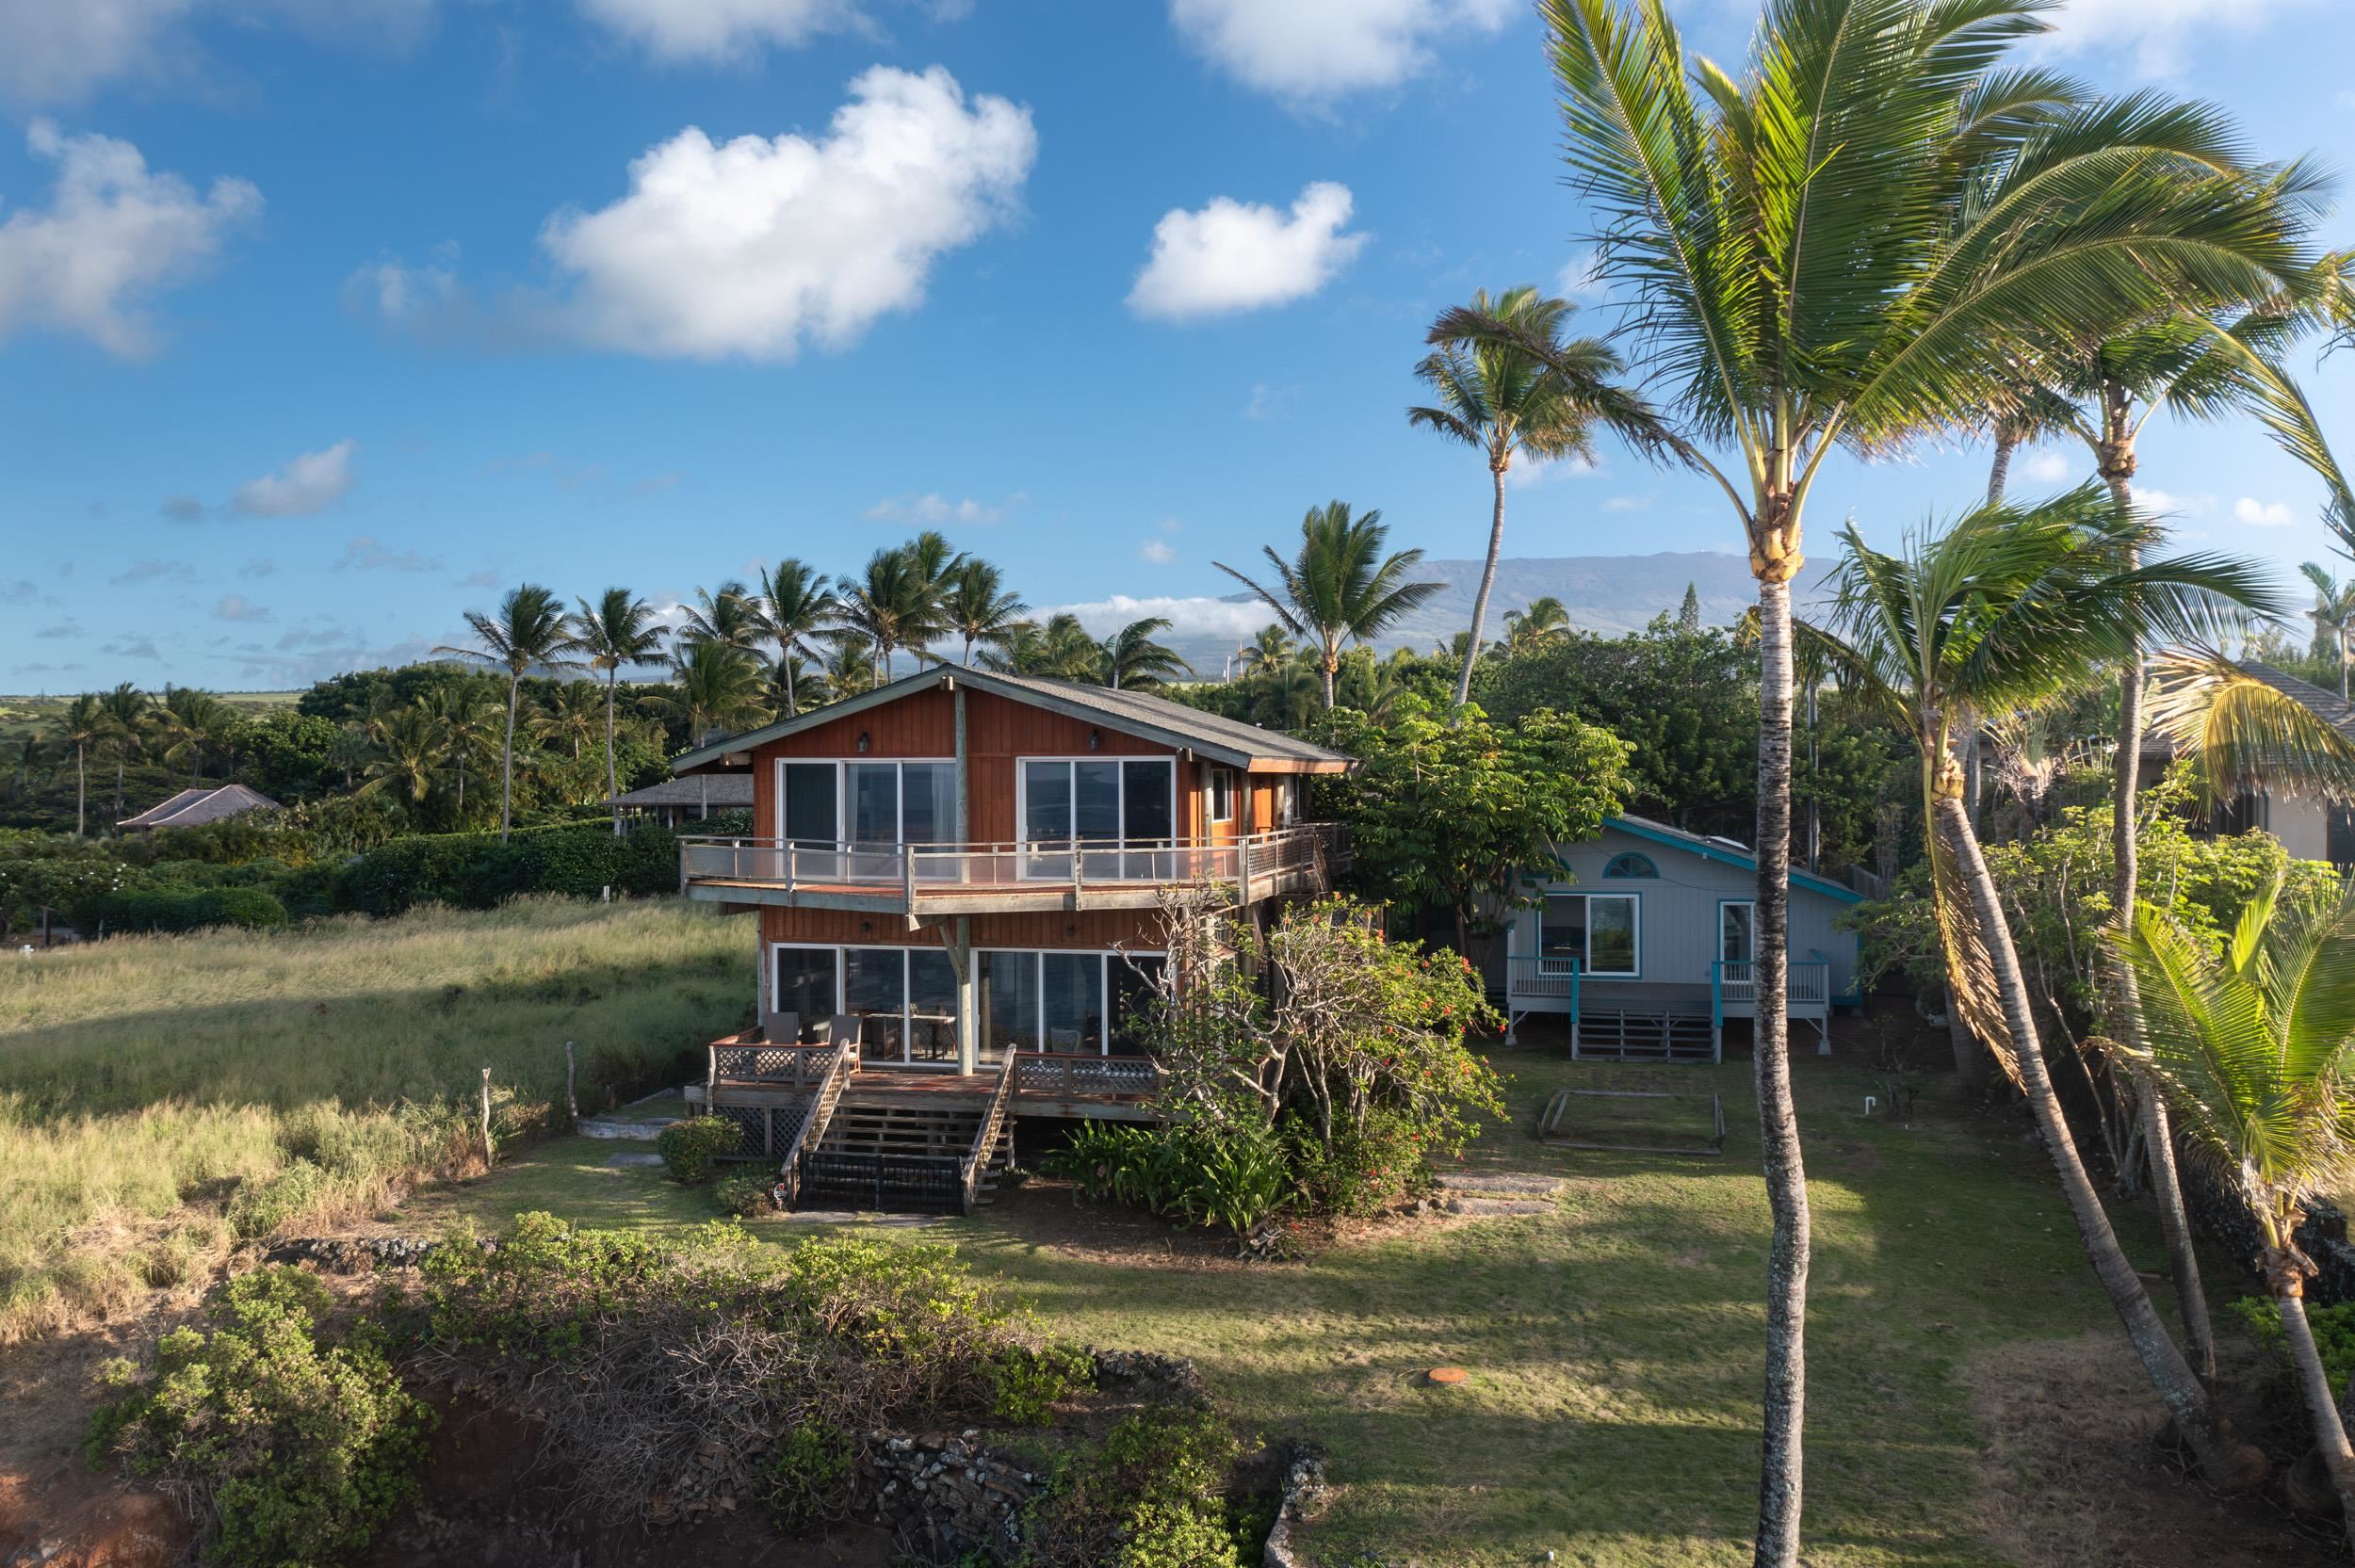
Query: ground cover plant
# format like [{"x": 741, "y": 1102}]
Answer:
[{"x": 161, "y": 1097}]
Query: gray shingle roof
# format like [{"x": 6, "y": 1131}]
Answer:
[
  {"x": 193, "y": 807},
  {"x": 720, "y": 791}
]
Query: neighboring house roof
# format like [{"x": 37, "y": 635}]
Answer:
[
  {"x": 721, "y": 791},
  {"x": 192, "y": 807},
  {"x": 2324, "y": 704},
  {"x": 1135, "y": 713},
  {"x": 1725, "y": 851}
]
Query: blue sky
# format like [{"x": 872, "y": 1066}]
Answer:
[{"x": 323, "y": 321}]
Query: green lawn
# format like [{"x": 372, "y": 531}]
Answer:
[{"x": 1614, "y": 1345}]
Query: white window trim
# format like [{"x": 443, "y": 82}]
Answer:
[
  {"x": 1038, "y": 981},
  {"x": 1725, "y": 904},
  {"x": 1586, "y": 971},
  {"x": 1221, "y": 776},
  {"x": 1022, "y": 805},
  {"x": 843, "y": 791}
]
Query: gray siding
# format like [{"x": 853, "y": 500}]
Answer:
[{"x": 1677, "y": 911}]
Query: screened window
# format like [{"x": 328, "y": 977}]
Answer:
[{"x": 1595, "y": 930}]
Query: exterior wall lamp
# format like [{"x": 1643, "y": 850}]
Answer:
[{"x": 863, "y": 743}]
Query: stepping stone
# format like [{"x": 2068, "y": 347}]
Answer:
[
  {"x": 1497, "y": 1209},
  {"x": 614, "y": 1126},
  {"x": 633, "y": 1159},
  {"x": 1501, "y": 1186}
]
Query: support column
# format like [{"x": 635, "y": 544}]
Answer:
[
  {"x": 960, "y": 957},
  {"x": 964, "y": 788}
]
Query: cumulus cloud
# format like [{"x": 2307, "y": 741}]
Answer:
[
  {"x": 1532, "y": 472},
  {"x": 1240, "y": 256},
  {"x": 234, "y": 606},
  {"x": 1581, "y": 281},
  {"x": 1188, "y": 616},
  {"x": 2166, "y": 503},
  {"x": 682, "y": 30},
  {"x": 308, "y": 485},
  {"x": 935, "y": 509},
  {"x": 319, "y": 649},
  {"x": 2051, "y": 467},
  {"x": 113, "y": 236},
  {"x": 1315, "y": 49},
  {"x": 2155, "y": 32},
  {"x": 749, "y": 248},
  {"x": 1159, "y": 551},
  {"x": 367, "y": 554},
  {"x": 2263, "y": 514}
]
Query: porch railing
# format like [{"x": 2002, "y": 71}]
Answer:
[
  {"x": 812, "y": 1132},
  {"x": 1066, "y": 1077},
  {"x": 986, "y": 1137},
  {"x": 1806, "y": 984},
  {"x": 914, "y": 868}
]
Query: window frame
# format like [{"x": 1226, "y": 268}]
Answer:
[
  {"x": 841, "y": 766},
  {"x": 1586, "y": 960},
  {"x": 1022, "y": 805},
  {"x": 1221, "y": 783},
  {"x": 1718, "y": 956},
  {"x": 1037, "y": 957}
]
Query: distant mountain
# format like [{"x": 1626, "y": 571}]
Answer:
[{"x": 1603, "y": 593}]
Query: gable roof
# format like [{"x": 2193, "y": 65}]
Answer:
[
  {"x": 2326, "y": 705},
  {"x": 1725, "y": 851},
  {"x": 191, "y": 807},
  {"x": 724, "y": 791},
  {"x": 1136, "y": 713}
]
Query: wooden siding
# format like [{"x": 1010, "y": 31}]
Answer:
[
  {"x": 1678, "y": 910},
  {"x": 1085, "y": 931}
]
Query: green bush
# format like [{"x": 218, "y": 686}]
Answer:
[
  {"x": 296, "y": 1446},
  {"x": 167, "y": 908},
  {"x": 810, "y": 1475},
  {"x": 1230, "y": 1174},
  {"x": 2333, "y": 1326},
  {"x": 690, "y": 1148},
  {"x": 1151, "y": 1496},
  {"x": 478, "y": 871},
  {"x": 1361, "y": 1170},
  {"x": 747, "y": 1194}
]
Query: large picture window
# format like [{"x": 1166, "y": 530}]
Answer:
[
  {"x": 1072, "y": 1003},
  {"x": 847, "y": 818},
  {"x": 1598, "y": 932},
  {"x": 1125, "y": 804}
]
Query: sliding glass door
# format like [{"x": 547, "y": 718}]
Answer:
[
  {"x": 1071, "y": 1003},
  {"x": 904, "y": 999},
  {"x": 848, "y": 820},
  {"x": 1106, "y": 819}
]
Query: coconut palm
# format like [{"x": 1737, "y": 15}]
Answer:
[
  {"x": 2250, "y": 1048},
  {"x": 1881, "y": 218},
  {"x": 2005, "y": 610},
  {"x": 1338, "y": 587},
  {"x": 1543, "y": 623},
  {"x": 187, "y": 721},
  {"x": 894, "y": 604},
  {"x": 411, "y": 744},
  {"x": 2333, "y": 614},
  {"x": 1270, "y": 648},
  {"x": 730, "y": 617},
  {"x": 979, "y": 608},
  {"x": 1507, "y": 400},
  {"x": 129, "y": 707},
  {"x": 570, "y": 717},
  {"x": 1130, "y": 657},
  {"x": 528, "y": 633},
  {"x": 715, "y": 689},
  {"x": 84, "y": 726},
  {"x": 794, "y": 606},
  {"x": 849, "y": 667},
  {"x": 618, "y": 629},
  {"x": 467, "y": 722},
  {"x": 28, "y": 753}
]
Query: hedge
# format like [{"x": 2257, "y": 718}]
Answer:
[
  {"x": 477, "y": 871},
  {"x": 163, "y": 910}
]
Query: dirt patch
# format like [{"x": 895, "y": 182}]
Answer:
[
  {"x": 2074, "y": 1476},
  {"x": 49, "y": 1495}
]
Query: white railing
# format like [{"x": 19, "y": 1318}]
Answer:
[
  {"x": 1806, "y": 984},
  {"x": 1527, "y": 976},
  {"x": 915, "y": 869}
]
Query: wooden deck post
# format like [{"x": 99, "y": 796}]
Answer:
[{"x": 969, "y": 991}]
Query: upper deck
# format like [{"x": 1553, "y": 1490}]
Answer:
[{"x": 919, "y": 879}]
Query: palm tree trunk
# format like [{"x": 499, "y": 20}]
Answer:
[
  {"x": 612, "y": 779},
  {"x": 507, "y": 760},
  {"x": 1999, "y": 472},
  {"x": 1328, "y": 664},
  {"x": 81, "y": 792},
  {"x": 1785, "y": 1405},
  {"x": 2342, "y": 664},
  {"x": 2314, "y": 1384},
  {"x": 2118, "y": 470},
  {"x": 348, "y": 776},
  {"x": 1488, "y": 581},
  {"x": 2229, "y": 1463}
]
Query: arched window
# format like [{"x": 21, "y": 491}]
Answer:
[{"x": 1630, "y": 866}]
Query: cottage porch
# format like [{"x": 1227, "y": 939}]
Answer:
[{"x": 1659, "y": 1020}]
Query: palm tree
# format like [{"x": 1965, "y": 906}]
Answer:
[
  {"x": 795, "y": 606},
  {"x": 466, "y": 722},
  {"x": 1338, "y": 587},
  {"x": 1880, "y": 220},
  {"x": 28, "y": 754},
  {"x": 618, "y": 629},
  {"x": 188, "y": 720},
  {"x": 731, "y": 617},
  {"x": 528, "y": 633},
  {"x": 979, "y": 608},
  {"x": 849, "y": 668},
  {"x": 569, "y": 717},
  {"x": 717, "y": 688},
  {"x": 127, "y": 705},
  {"x": 895, "y": 604},
  {"x": 2250, "y": 1048},
  {"x": 2004, "y": 611},
  {"x": 1131, "y": 658},
  {"x": 84, "y": 726},
  {"x": 1542, "y": 624},
  {"x": 1269, "y": 650},
  {"x": 2333, "y": 614},
  {"x": 411, "y": 744},
  {"x": 1505, "y": 399}
]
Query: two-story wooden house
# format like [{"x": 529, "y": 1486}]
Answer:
[{"x": 962, "y": 868}]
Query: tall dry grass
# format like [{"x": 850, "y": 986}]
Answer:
[{"x": 163, "y": 1097}]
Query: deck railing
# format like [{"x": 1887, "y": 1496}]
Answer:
[
  {"x": 1807, "y": 984},
  {"x": 918, "y": 868},
  {"x": 1068, "y": 1076},
  {"x": 812, "y": 1132},
  {"x": 986, "y": 1137}
]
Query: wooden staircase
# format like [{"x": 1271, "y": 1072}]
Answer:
[
  {"x": 891, "y": 1157},
  {"x": 1644, "y": 1034}
]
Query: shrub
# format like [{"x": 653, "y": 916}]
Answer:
[
  {"x": 690, "y": 1147},
  {"x": 479, "y": 871},
  {"x": 1151, "y": 1496},
  {"x": 810, "y": 1475},
  {"x": 1230, "y": 1174},
  {"x": 294, "y": 1447},
  {"x": 1360, "y": 1169},
  {"x": 165, "y": 908},
  {"x": 2333, "y": 1327},
  {"x": 748, "y": 1193}
]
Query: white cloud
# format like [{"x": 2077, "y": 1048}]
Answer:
[
  {"x": 2051, "y": 467},
  {"x": 1192, "y": 617},
  {"x": 1237, "y": 256},
  {"x": 1581, "y": 281},
  {"x": 2263, "y": 514},
  {"x": 1312, "y": 50},
  {"x": 679, "y": 30},
  {"x": 59, "y": 50},
  {"x": 366, "y": 554},
  {"x": 936, "y": 508},
  {"x": 1159, "y": 551},
  {"x": 1270, "y": 402},
  {"x": 151, "y": 569},
  {"x": 2164, "y": 503},
  {"x": 2156, "y": 31},
  {"x": 745, "y": 249},
  {"x": 308, "y": 485},
  {"x": 113, "y": 234},
  {"x": 1532, "y": 472},
  {"x": 1626, "y": 503},
  {"x": 235, "y": 606}
]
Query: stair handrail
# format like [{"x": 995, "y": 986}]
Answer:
[
  {"x": 985, "y": 1140},
  {"x": 813, "y": 1125}
]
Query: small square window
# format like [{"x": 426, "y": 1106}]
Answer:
[{"x": 1222, "y": 795}]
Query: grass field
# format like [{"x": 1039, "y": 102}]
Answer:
[
  {"x": 1615, "y": 1346},
  {"x": 153, "y": 1088}
]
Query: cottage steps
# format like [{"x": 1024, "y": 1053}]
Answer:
[
  {"x": 1636, "y": 1035},
  {"x": 917, "y": 1144}
]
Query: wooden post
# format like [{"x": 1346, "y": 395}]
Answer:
[
  {"x": 968, "y": 1012},
  {"x": 572, "y": 1103},
  {"x": 487, "y": 1155}
]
